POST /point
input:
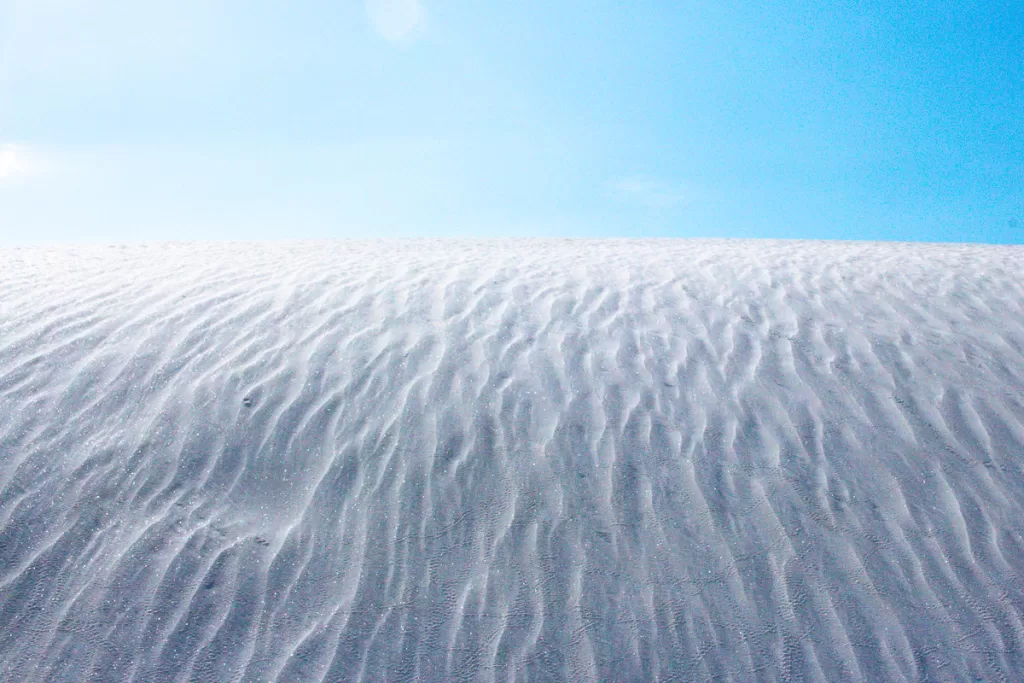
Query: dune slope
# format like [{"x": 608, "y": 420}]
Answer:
[{"x": 512, "y": 460}]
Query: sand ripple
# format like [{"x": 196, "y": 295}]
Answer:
[{"x": 533, "y": 460}]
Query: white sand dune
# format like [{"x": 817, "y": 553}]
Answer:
[{"x": 512, "y": 460}]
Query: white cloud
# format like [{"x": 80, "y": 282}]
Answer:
[
  {"x": 396, "y": 20},
  {"x": 652, "y": 193},
  {"x": 15, "y": 161}
]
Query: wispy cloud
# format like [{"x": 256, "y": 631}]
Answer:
[
  {"x": 16, "y": 161},
  {"x": 652, "y": 193},
  {"x": 396, "y": 20}
]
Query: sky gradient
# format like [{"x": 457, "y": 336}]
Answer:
[{"x": 192, "y": 119}]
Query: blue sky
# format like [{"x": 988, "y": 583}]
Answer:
[{"x": 196, "y": 119}]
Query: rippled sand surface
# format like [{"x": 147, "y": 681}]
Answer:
[{"x": 521, "y": 460}]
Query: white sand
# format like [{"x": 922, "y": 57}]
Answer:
[{"x": 601, "y": 460}]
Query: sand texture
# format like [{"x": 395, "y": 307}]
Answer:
[{"x": 512, "y": 460}]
